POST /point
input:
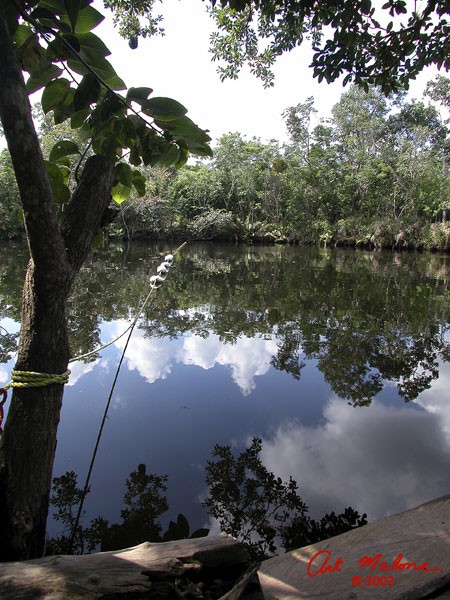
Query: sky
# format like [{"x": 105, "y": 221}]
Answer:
[{"x": 180, "y": 66}]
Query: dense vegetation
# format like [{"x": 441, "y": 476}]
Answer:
[
  {"x": 64, "y": 212},
  {"x": 248, "y": 501},
  {"x": 375, "y": 174}
]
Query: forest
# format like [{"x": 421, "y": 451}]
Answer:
[{"x": 375, "y": 174}]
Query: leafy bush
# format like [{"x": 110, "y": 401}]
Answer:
[
  {"x": 437, "y": 236},
  {"x": 263, "y": 512},
  {"x": 212, "y": 224}
]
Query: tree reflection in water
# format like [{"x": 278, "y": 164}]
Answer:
[
  {"x": 367, "y": 321},
  {"x": 365, "y": 317},
  {"x": 246, "y": 499}
]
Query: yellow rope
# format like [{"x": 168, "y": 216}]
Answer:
[{"x": 26, "y": 379}]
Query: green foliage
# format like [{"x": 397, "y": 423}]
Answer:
[
  {"x": 263, "y": 512},
  {"x": 212, "y": 224},
  {"x": 65, "y": 499},
  {"x": 374, "y": 175},
  {"x": 145, "y": 502},
  {"x": 57, "y": 34},
  {"x": 303, "y": 532},
  {"x": 248, "y": 500},
  {"x": 144, "y": 499},
  {"x": 10, "y": 225},
  {"x": 369, "y": 43}
]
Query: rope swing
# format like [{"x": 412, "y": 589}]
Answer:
[
  {"x": 155, "y": 282},
  {"x": 27, "y": 379}
]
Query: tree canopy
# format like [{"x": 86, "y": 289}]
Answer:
[
  {"x": 65, "y": 197},
  {"x": 368, "y": 43},
  {"x": 49, "y": 45}
]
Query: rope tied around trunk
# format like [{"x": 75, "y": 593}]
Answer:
[
  {"x": 25, "y": 379},
  {"x": 28, "y": 379}
]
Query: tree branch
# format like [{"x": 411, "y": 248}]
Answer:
[
  {"x": 88, "y": 211},
  {"x": 41, "y": 224}
]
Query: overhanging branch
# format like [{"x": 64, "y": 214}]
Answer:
[{"x": 43, "y": 234}]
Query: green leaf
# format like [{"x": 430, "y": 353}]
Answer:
[
  {"x": 87, "y": 93},
  {"x": 21, "y": 35},
  {"x": 56, "y": 172},
  {"x": 63, "y": 148},
  {"x": 30, "y": 54},
  {"x": 58, "y": 177},
  {"x": 182, "y": 159},
  {"x": 88, "y": 19},
  {"x": 170, "y": 156},
  {"x": 184, "y": 128},
  {"x": 85, "y": 131},
  {"x": 120, "y": 192},
  {"x": 79, "y": 117},
  {"x": 135, "y": 156},
  {"x": 73, "y": 9},
  {"x": 54, "y": 94},
  {"x": 139, "y": 182},
  {"x": 91, "y": 46},
  {"x": 57, "y": 50},
  {"x": 98, "y": 240},
  {"x": 116, "y": 83},
  {"x": 56, "y": 7},
  {"x": 199, "y": 149},
  {"x": 61, "y": 193},
  {"x": 65, "y": 109},
  {"x": 43, "y": 74},
  {"x": 124, "y": 174},
  {"x": 164, "y": 109},
  {"x": 102, "y": 67},
  {"x": 139, "y": 95}
]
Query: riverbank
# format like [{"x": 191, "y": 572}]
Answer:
[{"x": 388, "y": 234}]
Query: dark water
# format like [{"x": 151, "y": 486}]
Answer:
[{"x": 337, "y": 359}]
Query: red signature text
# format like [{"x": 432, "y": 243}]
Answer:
[
  {"x": 377, "y": 562},
  {"x": 320, "y": 564}
]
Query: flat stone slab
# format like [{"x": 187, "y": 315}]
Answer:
[{"x": 404, "y": 556}]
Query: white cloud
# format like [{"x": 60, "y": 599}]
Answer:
[
  {"x": 151, "y": 357},
  {"x": 247, "y": 358},
  {"x": 4, "y": 375},
  {"x": 154, "y": 358},
  {"x": 436, "y": 400},
  {"x": 376, "y": 459},
  {"x": 78, "y": 369}
]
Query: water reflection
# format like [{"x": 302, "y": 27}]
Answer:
[
  {"x": 392, "y": 457},
  {"x": 278, "y": 342},
  {"x": 153, "y": 358}
]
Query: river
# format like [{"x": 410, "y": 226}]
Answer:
[{"x": 337, "y": 359}]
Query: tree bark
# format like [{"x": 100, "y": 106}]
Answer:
[
  {"x": 28, "y": 445},
  {"x": 144, "y": 571}
]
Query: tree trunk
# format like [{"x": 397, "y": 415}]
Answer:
[
  {"x": 29, "y": 441},
  {"x": 28, "y": 445},
  {"x": 183, "y": 568}
]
